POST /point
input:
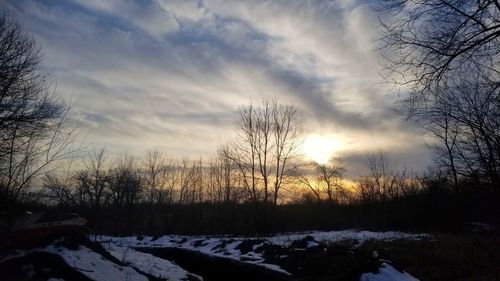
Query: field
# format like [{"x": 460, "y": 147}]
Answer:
[{"x": 334, "y": 255}]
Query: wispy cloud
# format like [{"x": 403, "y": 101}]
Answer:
[{"x": 173, "y": 73}]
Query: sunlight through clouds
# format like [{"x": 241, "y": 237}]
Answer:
[
  {"x": 172, "y": 65},
  {"x": 321, "y": 149}
]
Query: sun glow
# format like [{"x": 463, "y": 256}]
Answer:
[{"x": 320, "y": 149}]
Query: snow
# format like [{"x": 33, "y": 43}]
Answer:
[
  {"x": 311, "y": 244},
  {"x": 229, "y": 244},
  {"x": 150, "y": 264},
  {"x": 95, "y": 266},
  {"x": 387, "y": 273},
  {"x": 343, "y": 235},
  {"x": 227, "y": 247},
  {"x": 217, "y": 247},
  {"x": 478, "y": 226}
]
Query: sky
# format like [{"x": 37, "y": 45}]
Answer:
[{"x": 172, "y": 74}]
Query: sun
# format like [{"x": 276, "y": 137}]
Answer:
[{"x": 320, "y": 149}]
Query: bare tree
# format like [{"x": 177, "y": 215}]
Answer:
[
  {"x": 159, "y": 181},
  {"x": 125, "y": 183},
  {"x": 446, "y": 132},
  {"x": 430, "y": 41},
  {"x": 446, "y": 55},
  {"x": 190, "y": 175},
  {"x": 60, "y": 190},
  {"x": 221, "y": 176},
  {"x": 60, "y": 187},
  {"x": 466, "y": 121},
  {"x": 267, "y": 141},
  {"x": 94, "y": 180},
  {"x": 246, "y": 151},
  {"x": 286, "y": 129},
  {"x": 326, "y": 182},
  {"x": 384, "y": 181},
  {"x": 32, "y": 118},
  {"x": 158, "y": 169}
]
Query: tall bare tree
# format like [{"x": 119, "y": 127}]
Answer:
[
  {"x": 221, "y": 173},
  {"x": 125, "y": 183},
  {"x": 446, "y": 56},
  {"x": 94, "y": 180},
  {"x": 157, "y": 171},
  {"x": 286, "y": 129},
  {"x": 466, "y": 121},
  {"x": 267, "y": 141},
  {"x": 32, "y": 118}
]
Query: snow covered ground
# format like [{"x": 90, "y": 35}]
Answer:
[
  {"x": 251, "y": 250},
  {"x": 216, "y": 244},
  {"x": 229, "y": 247},
  {"x": 150, "y": 264},
  {"x": 387, "y": 273},
  {"x": 334, "y": 236},
  {"x": 219, "y": 247},
  {"x": 95, "y": 266}
]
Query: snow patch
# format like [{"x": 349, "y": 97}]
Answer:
[
  {"x": 387, "y": 273},
  {"x": 95, "y": 266},
  {"x": 150, "y": 264},
  {"x": 344, "y": 235}
]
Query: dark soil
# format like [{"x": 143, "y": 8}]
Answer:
[
  {"x": 466, "y": 256},
  {"x": 38, "y": 266},
  {"x": 447, "y": 257},
  {"x": 339, "y": 261}
]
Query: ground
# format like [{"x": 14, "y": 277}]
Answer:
[{"x": 335, "y": 255}]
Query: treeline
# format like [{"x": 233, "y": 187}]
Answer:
[
  {"x": 455, "y": 212},
  {"x": 157, "y": 194}
]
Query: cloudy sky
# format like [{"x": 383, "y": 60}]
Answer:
[{"x": 172, "y": 74}]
